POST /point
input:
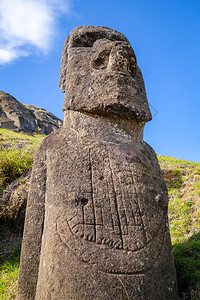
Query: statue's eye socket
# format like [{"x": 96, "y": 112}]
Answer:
[
  {"x": 82, "y": 42},
  {"x": 132, "y": 66},
  {"x": 101, "y": 60},
  {"x": 86, "y": 39}
]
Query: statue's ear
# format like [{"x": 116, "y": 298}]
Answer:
[{"x": 63, "y": 68}]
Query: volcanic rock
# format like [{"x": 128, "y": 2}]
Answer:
[{"x": 22, "y": 117}]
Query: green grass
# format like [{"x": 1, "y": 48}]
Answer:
[
  {"x": 8, "y": 136},
  {"x": 9, "y": 268},
  {"x": 187, "y": 259},
  {"x": 14, "y": 163},
  {"x": 16, "y": 156},
  {"x": 197, "y": 188},
  {"x": 25, "y": 105},
  {"x": 124, "y": 289},
  {"x": 174, "y": 161},
  {"x": 183, "y": 182}
]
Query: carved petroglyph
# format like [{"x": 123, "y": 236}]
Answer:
[{"x": 110, "y": 214}]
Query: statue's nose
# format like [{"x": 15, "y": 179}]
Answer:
[{"x": 122, "y": 59}]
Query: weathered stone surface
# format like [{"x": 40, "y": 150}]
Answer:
[
  {"x": 103, "y": 82},
  {"x": 96, "y": 223},
  {"x": 22, "y": 117}
]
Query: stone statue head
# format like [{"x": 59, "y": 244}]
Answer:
[{"x": 99, "y": 74}]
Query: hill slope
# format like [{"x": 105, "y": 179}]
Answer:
[
  {"x": 22, "y": 117},
  {"x": 183, "y": 182}
]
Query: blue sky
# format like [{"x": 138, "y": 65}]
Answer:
[{"x": 165, "y": 36}]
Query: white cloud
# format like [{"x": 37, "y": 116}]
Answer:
[
  {"x": 28, "y": 25},
  {"x": 8, "y": 54}
]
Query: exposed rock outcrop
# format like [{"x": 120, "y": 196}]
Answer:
[
  {"x": 22, "y": 117},
  {"x": 13, "y": 203}
]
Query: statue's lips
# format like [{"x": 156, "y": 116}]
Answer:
[{"x": 110, "y": 260}]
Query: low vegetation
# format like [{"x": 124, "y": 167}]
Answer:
[
  {"x": 9, "y": 263},
  {"x": 183, "y": 182},
  {"x": 16, "y": 156},
  {"x": 16, "y": 159}
]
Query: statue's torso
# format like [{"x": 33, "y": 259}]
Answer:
[
  {"x": 105, "y": 221},
  {"x": 105, "y": 199}
]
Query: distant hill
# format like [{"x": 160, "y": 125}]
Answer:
[{"x": 17, "y": 116}]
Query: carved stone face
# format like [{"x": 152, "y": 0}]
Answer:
[{"x": 99, "y": 74}]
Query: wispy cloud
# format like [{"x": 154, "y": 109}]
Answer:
[{"x": 28, "y": 25}]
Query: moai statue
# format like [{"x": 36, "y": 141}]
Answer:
[{"x": 96, "y": 223}]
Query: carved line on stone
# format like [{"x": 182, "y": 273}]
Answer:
[
  {"x": 115, "y": 199},
  {"x": 92, "y": 194},
  {"x": 104, "y": 256},
  {"x": 91, "y": 256},
  {"x": 119, "y": 249},
  {"x": 102, "y": 236},
  {"x": 122, "y": 211},
  {"x": 112, "y": 209},
  {"x": 92, "y": 224},
  {"x": 131, "y": 202},
  {"x": 100, "y": 239},
  {"x": 83, "y": 220},
  {"x": 116, "y": 242},
  {"x": 138, "y": 203}
]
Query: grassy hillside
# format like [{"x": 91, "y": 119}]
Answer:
[
  {"x": 16, "y": 158},
  {"x": 183, "y": 182},
  {"x": 16, "y": 155}
]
